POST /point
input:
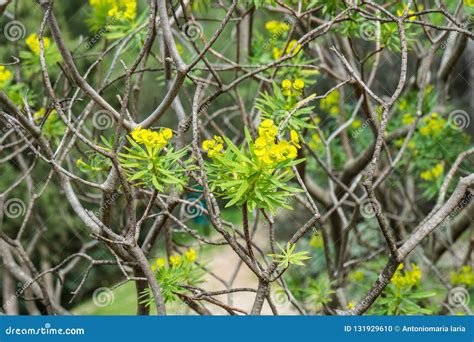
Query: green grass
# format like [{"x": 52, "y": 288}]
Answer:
[{"x": 124, "y": 303}]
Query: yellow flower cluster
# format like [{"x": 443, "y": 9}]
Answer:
[
  {"x": 117, "y": 8},
  {"x": 410, "y": 12},
  {"x": 434, "y": 173},
  {"x": 465, "y": 276},
  {"x": 276, "y": 27},
  {"x": 469, "y": 3},
  {"x": 33, "y": 43},
  {"x": 292, "y": 88},
  {"x": 5, "y": 75},
  {"x": 356, "y": 276},
  {"x": 411, "y": 144},
  {"x": 270, "y": 152},
  {"x": 189, "y": 256},
  {"x": 150, "y": 138},
  {"x": 433, "y": 125},
  {"x": 407, "y": 119},
  {"x": 213, "y": 146},
  {"x": 408, "y": 279},
  {"x": 175, "y": 260},
  {"x": 356, "y": 124},
  {"x": 277, "y": 53},
  {"x": 331, "y": 103}
]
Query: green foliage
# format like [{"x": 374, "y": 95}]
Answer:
[
  {"x": 172, "y": 279},
  {"x": 319, "y": 292},
  {"x": 153, "y": 166},
  {"x": 240, "y": 177},
  {"x": 289, "y": 257},
  {"x": 277, "y": 107},
  {"x": 402, "y": 302}
]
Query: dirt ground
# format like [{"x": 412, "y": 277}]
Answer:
[{"x": 223, "y": 262}]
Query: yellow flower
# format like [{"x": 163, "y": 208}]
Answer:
[
  {"x": 267, "y": 129},
  {"x": 433, "y": 173},
  {"x": 413, "y": 277},
  {"x": 175, "y": 260},
  {"x": 433, "y": 125},
  {"x": 403, "y": 104},
  {"x": 351, "y": 305},
  {"x": 167, "y": 133},
  {"x": 465, "y": 276},
  {"x": 406, "y": 279},
  {"x": 286, "y": 84},
  {"x": 271, "y": 25},
  {"x": 5, "y": 75},
  {"x": 425, "y": 130},
  {"x": 426, "y": 175},
  {"x": 33, "y": 43},
  {"x": 137, "y": 135},
  {"x": 276, "y": 27},
  {"x": 400, "y": 12},
  {"x": 276, "y": 53},
  {"x": 126, "y": 9},
  {"x": 130, "y": 9},
  {"x": 213, "y": 146},
  {"x": 151, "y": 138},
  {"x": 292, "y": 44},
  {"x": 287, "y": 151},
  {"x": 268, "y": 151},
  {"x": 399, "y": 281},
  {"x": 356, "y": 124},
  {"x": 160, "y": 262},
  {"x": 298, "y": 84},
  {"x": 407, "y": 119},
  {"x": 190, "y": 255},
  {"x": 295, "y": 138},
  {"x": 469, "y": 3}
]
